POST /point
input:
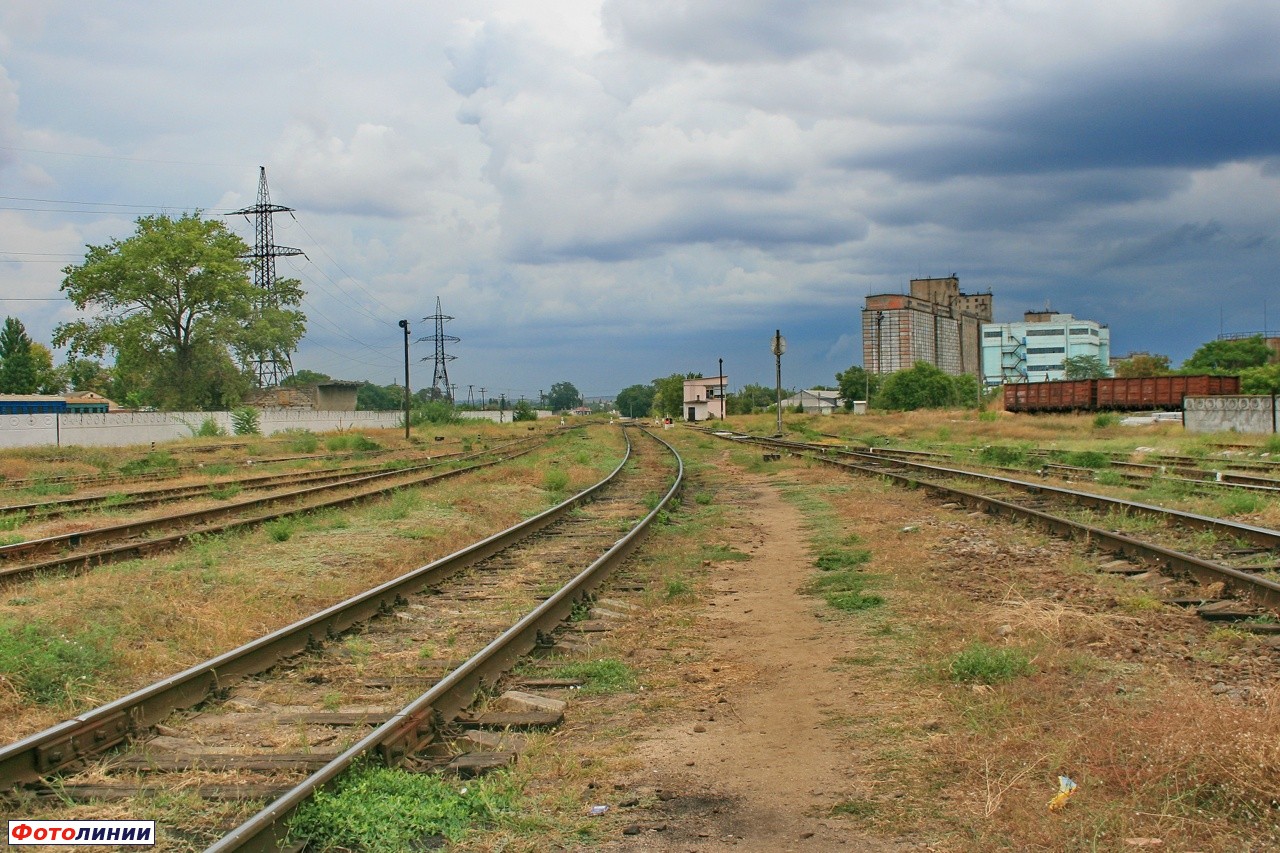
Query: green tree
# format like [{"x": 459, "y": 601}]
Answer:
[
  {"x": 379, "y": 398},
  {"x": 17, "y": 366},
  {"x": 523, "y": 411},
  {"x": 753, "y": 398},
  {"x": 1142, "y": 364},
  {"x": 1084, "y": 367},
  {"x": 635, "y": 401},
  {"x": 921, "y": 387},
  {"x": 176, "y": 306},
  {"x": 1224, "y": 356},
  {"x": 668, "y": 398},
  {"x": 562, "y": 396},
  {"x": 857, "y": 383},
  {"x": 1260, "y": 380},
  {"x": 305, "y": 379},
  {"x": 86, "y": 374},
  {"x": 49, "y": 380}
]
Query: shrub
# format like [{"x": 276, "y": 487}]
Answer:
[
  {"x": 1002, "y": 456},
  {"x": 985, "y": 664},
  {"x": 1102, "y": 420},
  {"x": 350, "y": 441},
  {"x": 555, "y": 480},
  {"x": 246, "y": 421},
  {"x": 301, "y": 440},
  {"x": 209, "y": 428}
]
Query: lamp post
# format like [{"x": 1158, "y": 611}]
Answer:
[
  {"x": 778, "y": 347},
  {"x": 404, "y": 324},
  {"x": 723, "y": 409}
]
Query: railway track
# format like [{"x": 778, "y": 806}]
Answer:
[
  {"x": 1221, "y": 557},
  {"x": 283, "y": 717},
  {"x": 83, "y": 549}
]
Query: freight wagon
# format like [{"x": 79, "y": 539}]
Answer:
[
  {"x": 1138, "y": 394},
  {"x": 31, "y": 404}
]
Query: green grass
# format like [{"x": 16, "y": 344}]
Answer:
[
  {"x": 1240, "y": 503},
  {"x": 280, "y": 530},
  {"x": 1003, "y": 456},
  {"x": 555, "y": 481},
  {"x": 379, "y": 810},
  {"x": 399, "y": 506},
  {"x": 350, "y": 441},
  {"x": 677, "y": 586},
  {"x": 984, "y": 664},
  {"x": 157, "y": 461},
  {"x": 49, "y": 667},
  {"x": 606, "y": 675},
  {"x": 832, "y": 559},
  {"x": 225, "y": 491},
  {"x": 12, "y": 520}
]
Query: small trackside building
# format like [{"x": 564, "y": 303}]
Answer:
[{"x": 704, "y": 398}]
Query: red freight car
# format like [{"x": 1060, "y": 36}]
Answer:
[
  {"x": 1160, "y": 392},
  {"x": 1065, "y": 396},
  {"x": 1144, "y": 393}
]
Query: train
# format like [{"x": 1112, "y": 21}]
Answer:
[
  {"x": 1145, "y": 393},
  {"x": 50, "y": 404}
]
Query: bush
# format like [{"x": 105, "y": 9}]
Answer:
[
  {"x": 209, "y": 428},
  {"x": 301, "y": 440},
  {"x": 1002, "y": 456},
  {"x": 1102, "y": 420},
  {"x": 245, "y": 421},
  {"x": 351, "y": 441},
  {"x": 985, "y": 664}
]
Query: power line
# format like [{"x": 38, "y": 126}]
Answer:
[{"x": 111, "y": 157}]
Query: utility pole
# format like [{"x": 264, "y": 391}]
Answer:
[
  {"x": 471, "y": 400},
  {"x": 779, "y": 347},
  {"x": 502, "y": 407},
  {"x": 483, "y": 400},
  {"x": 453, "y": 390},
  {"x": 440, "y": 378},
  {"x": 724, "y": 409},
  {"x": 404, "y": 324},
  {"x": 270, "y": 368}
]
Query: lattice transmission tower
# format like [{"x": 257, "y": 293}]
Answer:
[
  {"x": 440, "y": 388},
  {"x": 269, "y": 367}
]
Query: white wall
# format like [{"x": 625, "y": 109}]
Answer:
[
  {"x": 1230, "y": 413},
  {"x": 124, "y": 428}
]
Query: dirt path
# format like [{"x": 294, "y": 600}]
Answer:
[{"x": 758, "y": 769}]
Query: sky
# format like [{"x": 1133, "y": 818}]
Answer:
[{"x": 607, "y": 191}]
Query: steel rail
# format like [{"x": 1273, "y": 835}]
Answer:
[
  {"x": 93, "y": 732},
  {"x": 133, "y": 549},
  {"x": 419, "y": 722},
  {"x": 1257, "y": 589},
  {"x": 42, "y": 510}
]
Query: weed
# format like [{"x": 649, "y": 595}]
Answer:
[
  {"x": 852, "y": 600},
  {"x": 1003, "y": 456},
  {"x": 1109, "y": 478},
  {"x": 855, "y": 808},
  {"x": 158, "y": 461},
  {"x": 280, "y": 530},
  {"x": 1237, "y": 503},
  {"x": 12, "y": 520},
  {"x": 49, "y": 667},
  {"x": 399, "y": 506},
  {"x": 988, "y": 417},
  {"x": 350, "y": 441},
  {"x": 702, "y": 498},
  {"x": 1102, "y": 420},
  {"x": 1085, "y": 459},
  {"x": 831, "y": 559},
  {"x": 376, "y": 809},
  {"x": 225, "y": 491},
  {"x": 677, "y": 586},
  {"x": 246, "y": 421},
  {"x": 605, "y": 675},
  {"x": 332, "y": 701},
  {"x": 217, "y": 469},
  {"x": 301, "y": 440},
  {"x": 722, "y": 553},
  {"x": 42, "y": 490},
  {"x": 985, "y": 664},
  {"x": 209, "y": 428},
  {"x": 555, "y": 481}
]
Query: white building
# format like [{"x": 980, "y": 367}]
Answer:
[
  {"x": 704, "y": 398},
  {"x": 1036, "y": 349},
  {"x": 814, "y": 401}
]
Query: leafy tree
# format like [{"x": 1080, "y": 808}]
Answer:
[
  {"x": 1084, "y": 367},
  {"x": 857, "y": 383},
  {"x": 1260, "y": 380},
  {"x": 379, "y": 398},
  {"x": 635, "y": 401},
  {"x": 922, "y": 387},
  {"x": 668, "y": 398},
  {"x": 1142, "y": 364},
  {"x": 305, "y": 379},
  {"x": 523, "y": 411},
  {"x": 753, "y": 398},
  {"x": 49, "y": 380},
  {"x": 1224, "y": 356},
  {"x": 176, "y": 306},
  {"x": 17, "y": 367},
  {"x": 562, "y": 396},
  {"x": 86, "y": 374}
]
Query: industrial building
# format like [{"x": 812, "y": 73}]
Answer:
[
  {"x": 1036, "y": 349},
  {"x": 704, "y": 398},
  {"x": 934, "y": 323}
]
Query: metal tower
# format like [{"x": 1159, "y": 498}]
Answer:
[
  {"x": 269, "y": 367},
  {"x": 440, "y": 388}
]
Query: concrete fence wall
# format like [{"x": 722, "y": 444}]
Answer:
[
  {"x": 124, "y": 428},
  {"x": 1245, "y": 413}
]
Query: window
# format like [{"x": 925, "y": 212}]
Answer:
[
  {"x": 1045, "y": 350},
  {"x": 1042, "y": 333},
  {"x": 994, "y": 334},
  {"x": 1082, "y": 330}
]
